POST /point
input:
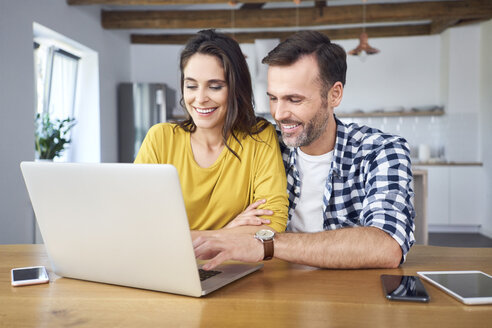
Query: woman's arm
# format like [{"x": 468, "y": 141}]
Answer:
[{"x": 270, "y": 182}]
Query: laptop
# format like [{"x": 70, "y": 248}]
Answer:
[{"x": 121, "y": 224}]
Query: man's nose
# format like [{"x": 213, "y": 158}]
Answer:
[{"x": 279, "y": 111}]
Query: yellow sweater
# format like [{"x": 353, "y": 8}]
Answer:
[{"x": 215, "y": 195}]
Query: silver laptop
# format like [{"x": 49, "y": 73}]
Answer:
[{"x": 122, "y": 224}]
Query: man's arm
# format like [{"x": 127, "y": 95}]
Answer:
[
  {"x": 245, "y": 229},
  {"x": 349, "y": 248}
]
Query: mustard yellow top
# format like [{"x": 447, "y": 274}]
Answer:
[{"x": 215, "y": 195}]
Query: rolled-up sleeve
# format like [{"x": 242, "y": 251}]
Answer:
[{"x": 388, "y": 202}]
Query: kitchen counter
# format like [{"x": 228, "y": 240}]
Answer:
[{"x": 445, "y": 163}]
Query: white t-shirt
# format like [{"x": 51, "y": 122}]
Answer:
[{"x": 313, "y": 172}]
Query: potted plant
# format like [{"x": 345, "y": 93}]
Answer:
[{"x": 51, "y": 136}]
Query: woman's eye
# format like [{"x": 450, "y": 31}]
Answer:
[
  {"x": 190, "y": 86},
  {"x": 216, "y": 87}
]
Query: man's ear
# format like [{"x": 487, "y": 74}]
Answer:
[{"x": 335, "y": 94}]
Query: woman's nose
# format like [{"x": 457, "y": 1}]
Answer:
[{"x": 202, "y": 95}]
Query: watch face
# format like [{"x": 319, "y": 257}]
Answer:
[{"x": 265, "y": 234}]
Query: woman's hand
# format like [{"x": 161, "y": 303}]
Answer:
[{"x": 251, "y": 216}]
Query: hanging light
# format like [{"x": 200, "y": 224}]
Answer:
[
  {"x": 232, "y": 4},
  {"x": 363, "y": 38}
]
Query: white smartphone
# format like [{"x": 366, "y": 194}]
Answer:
[{"x": 29, "y": 276}]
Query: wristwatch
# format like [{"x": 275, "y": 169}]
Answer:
[{"x": 266, "y": 237}]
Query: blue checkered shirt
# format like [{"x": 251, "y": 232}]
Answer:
[{"x": 368, "y": 183}]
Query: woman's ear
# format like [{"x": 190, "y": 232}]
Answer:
[{"x": 335, "y": 94}]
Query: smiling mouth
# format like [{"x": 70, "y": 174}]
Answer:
[
  {"x": 290, "y": 126},
  {"x": 205, "y": 111}
]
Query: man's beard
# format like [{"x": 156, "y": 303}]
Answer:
[{"x": 312, "y": 130}]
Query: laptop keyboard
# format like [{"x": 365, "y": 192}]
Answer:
[{"x": 204, "y": 275}]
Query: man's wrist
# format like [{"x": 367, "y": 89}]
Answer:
[{"x": 266, "y": 237}]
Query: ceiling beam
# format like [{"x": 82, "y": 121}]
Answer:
[
  {"x": 159, "y": 2},
  {"x": 465, "y": 22},
  {"x": 250, "y": 37},
  {"x": 285, "y": 17}
]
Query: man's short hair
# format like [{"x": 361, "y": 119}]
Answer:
[{"x": 331, "y": 58}]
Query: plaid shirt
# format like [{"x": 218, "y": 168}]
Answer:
[{"x": 368, "y": 183}]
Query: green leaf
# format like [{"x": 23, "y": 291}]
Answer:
[{"x": 50, "y": 135}]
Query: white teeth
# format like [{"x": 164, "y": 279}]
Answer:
[
  {"x": 290, "y": 126},
  {"x": 205, "y": 110}
]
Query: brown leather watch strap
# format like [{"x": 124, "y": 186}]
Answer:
[{"x": 268, "y": 246}]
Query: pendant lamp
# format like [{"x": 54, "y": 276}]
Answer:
[{"x": 363, "y": 38}]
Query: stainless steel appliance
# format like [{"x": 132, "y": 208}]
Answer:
[{"x": 140, "y": 105}]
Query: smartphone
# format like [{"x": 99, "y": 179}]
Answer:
[
  {"x": 404, "y": 288},
  {"x": 29, "y": 276}
]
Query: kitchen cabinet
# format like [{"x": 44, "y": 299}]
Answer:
[
  {"x": 466, "y": 198},
  {"x": 456, "y": 200},
  {"x": 438, "y": 195}
]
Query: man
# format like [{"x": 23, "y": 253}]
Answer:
[{"x": 349, "y": 186}]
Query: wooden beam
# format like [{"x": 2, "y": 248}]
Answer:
[
  {"x": 159, "y": 2},
  {"x": 250, "y": 37},
  {"x": 465, "y": 22},
  {"x": 284, "y": 17}
]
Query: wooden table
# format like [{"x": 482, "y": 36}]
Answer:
[{"x": 279, "y": 295}]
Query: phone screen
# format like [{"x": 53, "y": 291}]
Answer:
[
  {"x": 28, "y": 276},
  {"x": 466, "y": 284},
  {"x": 404, "y": 288}
]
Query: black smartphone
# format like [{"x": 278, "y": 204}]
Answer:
[{"x": 404, "y": 288}]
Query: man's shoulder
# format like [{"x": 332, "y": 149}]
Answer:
[{"x": 368, "y": 138}]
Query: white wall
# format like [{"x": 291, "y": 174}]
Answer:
[
  {"x": 405, "y": 73},
  {"x": 486, "y": 119},
  {"x": 81, "y": 24},
  {"x": 157, "y": 64}
]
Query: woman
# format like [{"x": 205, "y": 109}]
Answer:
[{"x": 228, "y": 160}]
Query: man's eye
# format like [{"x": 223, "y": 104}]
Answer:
[
  {"x": 272, "y": 98},
  {"x": 295, "y": 100}
]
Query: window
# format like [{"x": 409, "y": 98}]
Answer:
[
  {"x": 67, "y": 85},
  {"x": 56, "y": 82}
]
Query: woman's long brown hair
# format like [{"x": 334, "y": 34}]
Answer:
[{"x": 240, "y": 115}]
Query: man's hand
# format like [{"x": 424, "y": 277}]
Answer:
[
  {"x": 251, "y": 216},
  {"x": 223, "y": 247}
]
